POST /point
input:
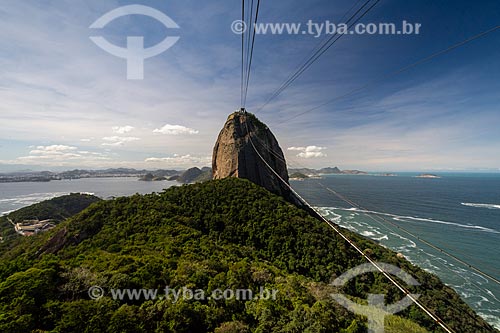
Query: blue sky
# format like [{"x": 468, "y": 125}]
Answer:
[{"x": 66, "y": 103}]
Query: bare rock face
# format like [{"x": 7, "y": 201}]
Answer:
[{"x": 234, "y": 155}]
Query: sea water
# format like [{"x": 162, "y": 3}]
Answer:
[{"x": 459, "y": 213}]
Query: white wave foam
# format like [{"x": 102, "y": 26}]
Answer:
[
  {"x": 7, "y": 212},
  {"x": 408, "y": 242},
  {"x": 493, "y": 319},
  {"x": 469, "y": 284},
  {"x": 27, "y": 200},
  {"x": 330, "y": 214},
  {"x": 384, "y": 237},
  {"x": 8, "y": 200},
  {"x": 402, "y": 218},
  {"x": 481, "y": 205},
  {"x": 363, "y": 228},
  {"x": 492, "y": 295}
]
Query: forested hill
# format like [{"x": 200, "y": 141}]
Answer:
[
  {"x": 57, "y": 209},
  {"x": 219, "y": 234}
]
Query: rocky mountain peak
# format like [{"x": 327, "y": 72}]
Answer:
[{"x": 234, "y": 155}]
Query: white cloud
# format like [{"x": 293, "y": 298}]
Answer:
[
  {"x": 311, "y": 154},
  {"x": 115, "y": 141},
  {"x": 122, "y": 129},
  {"x": 56, "y": 148},
  {"x": 80, "y": 99},
  {"x": 175, "y": 130},
  {"x": 85, "y": 103},
  {"x": 181, "y": 160},
  {"x": 309, "y": 151},
  {"x": 52, "y": 150},
  {"x": 59, "y": 155},
  {"x": 85, "y": 152}
]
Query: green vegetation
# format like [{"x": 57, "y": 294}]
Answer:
[
  {"x": 214, "y": 235},
  {"x": 57, "y": 209},
  {"x": 7, "y": 231},
  {"x": 203, "y": 177},
  {"x": 190, "y": 175},
  {"x": 256, "y": 122},
  {"x": 298, "y": 175},
  {"x": 149, "y": 177}
]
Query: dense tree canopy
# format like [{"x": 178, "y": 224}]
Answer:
[
  {"x": 57, "y": 209},
  {"x": 215, "y": 235}
]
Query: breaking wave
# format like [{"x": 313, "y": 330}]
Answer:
[
  {"x": 401, "y": 218},
  {"x": 481, "y": 205},
  {"x": 9, "y": 205},
  {"x": 473, "y": 288}
]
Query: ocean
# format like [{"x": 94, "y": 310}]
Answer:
[
  {"x": 459, "y": 213},
  {"x": 17, "y": 195}
]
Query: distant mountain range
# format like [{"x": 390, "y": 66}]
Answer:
[
  {"x": 325, "y": 171},
  {"x": 183, "y": 176},
  {"x": 218, "y": 235},
  {"x": 46, "y": 176},
  {"x": 192, "y": 175}
]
